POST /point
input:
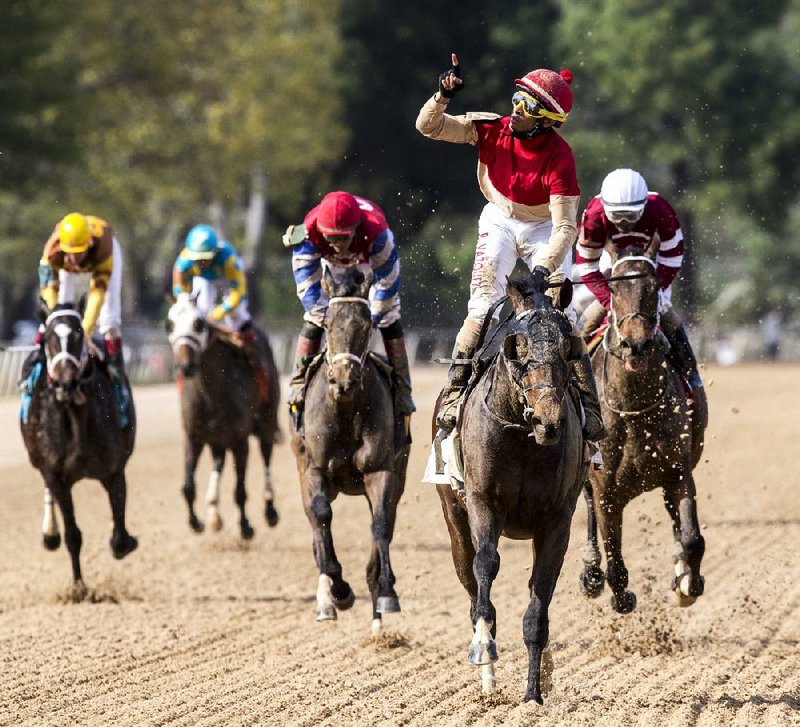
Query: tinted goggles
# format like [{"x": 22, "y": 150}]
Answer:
[
  {"x": 531, "y": 107},
  {"x": 629, "y": 216}
]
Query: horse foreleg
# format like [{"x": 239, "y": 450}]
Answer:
[
  {"x": 122, "y": 542},
  {"x": 486, "y": 526},
  {"x": 382, "y": 495},
  {"x": 461, "y": 547},
  {"x": 213, "y": 518},
  {"x": 550, "y": 539},
  {"x": 266, "y": 442},
  {"x": 72, "y": 534},
  {"x": 50, "y": 535},
  {"x": 191, "y": 454},
  {"x": 591, "y": 579},
  {"x": 240, "y": 463},
  {"x": 609, "y": 520},
  {"x": 333, "y": 591},
  {"x": 681, "y": 504}
]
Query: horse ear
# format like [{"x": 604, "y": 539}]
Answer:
[
  {"x": 564, "y": 295},
  {"x": 170, "y": 298},
  {"x": 44, "y": 310},
  {"x": 652, "y": 248}
]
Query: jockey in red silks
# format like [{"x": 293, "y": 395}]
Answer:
[
  {"x": 526, "y": 172},
  {"x": 625, "y": 214},
  {"x": 343, "y": 231}
]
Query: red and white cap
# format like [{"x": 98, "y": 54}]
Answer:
[
  {"x": 551, "y": 88},
  {"x": 338, "y": 214}
]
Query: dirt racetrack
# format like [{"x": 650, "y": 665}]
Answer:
[{"x": 196, "y": 630}]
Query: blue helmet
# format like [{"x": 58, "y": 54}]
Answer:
[{"x": 201, "y": 242}]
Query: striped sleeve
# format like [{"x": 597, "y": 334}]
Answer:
[
  {"x": 670, "y": 258},
  {"x": 182, "y": 275},
  {"x": 237, "y": 283},
  {"x": 307, "y": 271},
  {"x": 591, "y": 243},
  {"x": 385, "y": 292}
]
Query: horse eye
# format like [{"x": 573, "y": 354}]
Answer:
[
  {"x": 199, "y": 325},
  {"x": 169, "y": 325}
]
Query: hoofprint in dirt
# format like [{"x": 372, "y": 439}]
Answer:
[{"x": 213, "y": 630}]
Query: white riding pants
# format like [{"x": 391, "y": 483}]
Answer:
[{"x": 208, "y": 292}]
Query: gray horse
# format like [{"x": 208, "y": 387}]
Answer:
[
  {"x": 350, "y": 445},
  {"x": 72, "y": 428},
  {"x": 220, "y": 408},
  {"x": 655, "y": 436},
  {"x": 523, "y": 457}
]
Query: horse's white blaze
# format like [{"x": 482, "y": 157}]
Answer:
[
  {"x": 326, "y": 610},
  {"x": 377, "y": 626},
  {"x": 49, "y": 524},
  {"x": 488, "y": 679},
  {"x": 269, "y": 492},
  {"x": 212, "y": 501}
]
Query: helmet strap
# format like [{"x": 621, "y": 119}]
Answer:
[{"x": 538, "y": 128}]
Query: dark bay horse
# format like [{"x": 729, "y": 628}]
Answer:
[
  {"x": 655, "y": 436},
  {"x": 523, "y": 456},
  {"x": 220, "y": 408},
  {"x": 71, "y": 429},
  {"x": 349, "y": 446}
]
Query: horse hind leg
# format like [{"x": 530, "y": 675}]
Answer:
[
  {"x": 192, "y": 451},
  {"x": 213, "y": 518},
  {"x": 265, "y": 440},
  {"x": 122, "y": 542},
  {"x": 592, "y": 578},
  {"x": 240, "y": 463},
  {"x": 72, "y": 533},
  {"x": 50, "y": 535},
  {"x": 380, "y": 489},
  {"x": 687, "y": 584},
  {"x": 609, "y": 521}
]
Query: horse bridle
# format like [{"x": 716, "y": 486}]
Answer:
[
  {"x": 617, "y": 322},
  {"x": 346, "y": 357},
  {"x": 63, "y": 334}
]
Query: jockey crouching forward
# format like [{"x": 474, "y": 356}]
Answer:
[
  {"x": 341, "y": 231},
  {"x": 526, "y": 171},
  {"x": 626, "y": 214},
  {"x": 210, "y": 268},
  {"x": 84, "y": 244}
]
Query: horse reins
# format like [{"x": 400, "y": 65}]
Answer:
[{"x": 63, "y": 354}]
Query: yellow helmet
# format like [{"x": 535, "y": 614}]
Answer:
[{"x": 73, "y": 233}]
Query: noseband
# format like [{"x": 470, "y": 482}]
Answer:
[
  {"x": 62, "y": 330},
  {"x": 347, "y": 357}
]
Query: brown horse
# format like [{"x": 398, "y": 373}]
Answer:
[
  {"x": 71, "y": 426},
  {"x": 350, "y": 446},
  {"x": 523, "y": 457},
  {"x": 655, "y": 436},
  {"x": 220, "y": 408}
]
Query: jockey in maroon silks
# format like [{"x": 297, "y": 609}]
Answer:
[
  {"x": 342, "y": 231},
  {"x": 625, "y": 214},
  {"x": 526, "y": 172}
]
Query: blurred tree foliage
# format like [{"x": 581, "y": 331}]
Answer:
[{"x": 161, "y": 115}]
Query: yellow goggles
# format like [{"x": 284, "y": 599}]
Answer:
[{"x": 533, "y": 109}]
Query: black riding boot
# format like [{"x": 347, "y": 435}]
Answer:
[
  {"x": 308, "y": 344},
  {"x": 582, "y": 374},
  {"x": 682, "y": 356},
  {"x": 27, "y": 367},
  {"x": 457, "y": 380},
  {"x": 398, "y": 358}
]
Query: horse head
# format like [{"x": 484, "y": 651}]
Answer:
[
  {"x": 66, "y": 352},
  {"x": 188, "y": 333},
  {"x": 348, "y": 326},
  {"x": 536, "y": 351},
  {"x": 634, "y": 305}
]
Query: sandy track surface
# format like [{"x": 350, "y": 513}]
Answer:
[{"x": 209, "y": 630}]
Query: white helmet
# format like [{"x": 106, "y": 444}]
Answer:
[{"x": 624, "y": 190}]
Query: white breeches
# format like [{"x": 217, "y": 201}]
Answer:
[
  {"x": 110, "y": 318},
  {"x": 501, "y": 242},
  {"x": 208, "y": 292}
]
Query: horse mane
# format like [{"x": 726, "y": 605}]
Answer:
[
  {"x": 523, "y": 285},
  {"x": 351, "y": 282}
]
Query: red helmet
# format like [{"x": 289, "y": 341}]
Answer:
[
  {"x": 551, "y": 88},
  {"x": 338, "y": 214}
]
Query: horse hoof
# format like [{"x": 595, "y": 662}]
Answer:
[
  {"x": 683, "y": 600},
  {"x": 592, "y": 582},
  {"x": 214, "y": 522},
  {"x": 625, "y": 603},
  {"x": 532, "y": 696},
  {"x": 51, "y": 542},
  {"x": 247, "y": 531},
  {"x": 196, "y": 525},
  {"x": 388, "y": 604},
  {"x": 326, "y": 613},
  {"x": 271, "y": 515},
  {"x": 480, "y": 654},
  {"x": 119, "y": 552},
  {"x": 488, "y": 679},
  {"x": 377, "y": 626},
  {"x": 346, "y": 602}
]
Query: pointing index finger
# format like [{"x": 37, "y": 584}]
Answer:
[{"x": 456, "y": 65}]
